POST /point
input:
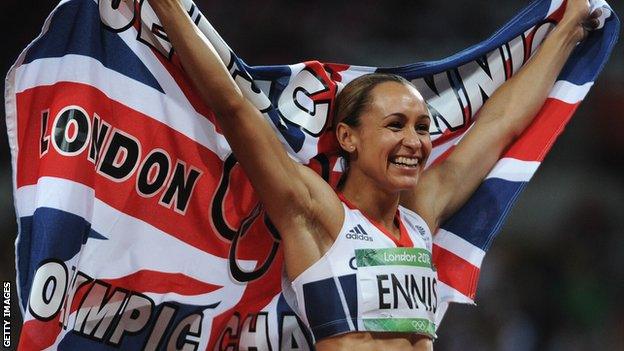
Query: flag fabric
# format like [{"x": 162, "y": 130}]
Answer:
[{"x": 138, "y": 229}]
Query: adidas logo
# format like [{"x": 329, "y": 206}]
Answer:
[
  {"x": 421, "y": 230},
  {"x": 358, "y": 233}
]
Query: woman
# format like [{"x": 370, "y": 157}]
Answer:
[{"x": 386, "y": 200}]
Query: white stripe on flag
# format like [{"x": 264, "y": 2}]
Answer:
[
  {"x": 514, "y": 170},
  {"x": 438, "y": 150},
  {"x": 352, "y": 73},
  {"x": 568, "y": 92},
  {"x": 144, "y": 249},
  {"x": 447, "y": 293},
  {"x": 338, "y": 166},
  {"x": 55, "y": 193},
  {"x": 459, "y": 247}
]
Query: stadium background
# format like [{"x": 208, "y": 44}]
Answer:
[{"x": 554, "y": 278}]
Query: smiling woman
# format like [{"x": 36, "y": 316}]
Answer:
[
  {"x": 353, "y": 293},
  {"x": 399, "y": 127}
]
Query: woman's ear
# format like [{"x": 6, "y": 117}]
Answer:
[{"x": 346, "y": 137}]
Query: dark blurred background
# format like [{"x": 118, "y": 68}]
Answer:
[{"x": 554, "y": 278}]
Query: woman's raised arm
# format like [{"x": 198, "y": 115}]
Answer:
[
  {"x": 287, "y": 190},
  {"x": 443, "y": 189}
]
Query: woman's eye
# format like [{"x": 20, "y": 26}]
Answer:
[
  {"x": 422, "y": 128},
  {"x": 395, "y": 125}
]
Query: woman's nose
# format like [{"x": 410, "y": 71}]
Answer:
[{"x": 412, "y": 139}]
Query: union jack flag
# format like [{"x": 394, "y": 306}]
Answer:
[{"x": 138, "y": 229}]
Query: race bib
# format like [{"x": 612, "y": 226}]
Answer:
[{"x": 396, "y": 290}]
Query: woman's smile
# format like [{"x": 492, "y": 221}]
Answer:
[{"x": 406, "y": 162}]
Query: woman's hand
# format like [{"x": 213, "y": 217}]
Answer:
[{"x": 578, "y": 20}]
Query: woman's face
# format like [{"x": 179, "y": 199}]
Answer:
[{"x": 392, "y": 140}]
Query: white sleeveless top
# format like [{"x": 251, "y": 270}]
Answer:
[{"x": 368, "y": 280}]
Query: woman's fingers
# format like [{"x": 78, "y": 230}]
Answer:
[
  {"x": 593, "y": 20},
  {"x": 596, "y": 14},
  {"x": 594, "y": 23},
  {"x": 591, "y": 24}
]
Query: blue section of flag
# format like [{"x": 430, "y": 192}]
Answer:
[
  {"x": 75, "y": 29},
  {"x": 95, "y": 235},
  {"x": 479, "y": 220},
  {"x": 48, "y": 233}
]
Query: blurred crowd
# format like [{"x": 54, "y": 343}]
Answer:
[{"x": 554, "y": 278}]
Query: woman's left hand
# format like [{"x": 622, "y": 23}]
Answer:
[{"x": 578, "y": 19}]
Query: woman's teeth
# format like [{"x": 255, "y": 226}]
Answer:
[{"x": 406, "y": 161}]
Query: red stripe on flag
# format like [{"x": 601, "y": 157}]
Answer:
[
  {"x": 147, "y": 281},
  {"x": 443, "y": 156},
  {"x": 539, "y": 137},
  {"x": 38, "y": 335},
  {"x": 334, "y": 70},
  {"x": 449, "y": 134},
  {"x": 456, "y": 272}
]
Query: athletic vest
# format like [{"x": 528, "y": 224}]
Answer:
[{"x": 369, "y": 281}]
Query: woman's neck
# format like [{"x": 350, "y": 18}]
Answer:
[{"x": 373, "y": 201}]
